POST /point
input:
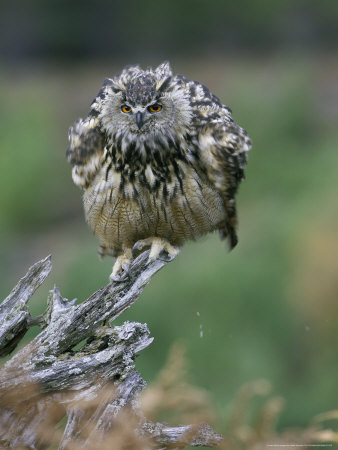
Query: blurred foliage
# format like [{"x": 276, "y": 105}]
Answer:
[
  {"x": 79, "y": 29},
  {"x": 266, "y": 310}
]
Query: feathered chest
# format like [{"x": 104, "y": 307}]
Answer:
[
  {"x": 134, "y": 196},
  {"x": 152, "y": 166}
]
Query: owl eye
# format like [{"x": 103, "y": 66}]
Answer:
[
  {"x": 156, "y": 107},
  {"x": 126, "y": 109}
]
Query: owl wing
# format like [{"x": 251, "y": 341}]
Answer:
[
  {"x": 86, "y": 148},
  {"x": 224, "y": 146}
]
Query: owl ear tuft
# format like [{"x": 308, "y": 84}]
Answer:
[
  {"x": 163, "y": 70},
  {"x": 112, "y": 84},
  {"x": 163, "y": 74}
]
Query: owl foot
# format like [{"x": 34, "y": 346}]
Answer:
[
  {"x": 121, "y": 271},
  {"x": 159, "y": 249}
]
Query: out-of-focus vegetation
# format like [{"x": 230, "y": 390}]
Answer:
[
  {"x": 170, "y": 399},
  {"x": 269, "y": 308},
  {"x": 67, "y": 30}
]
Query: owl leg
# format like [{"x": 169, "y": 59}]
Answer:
[
  {"x": 159, "y": 248},
  {"x": 121, "y": 267}
]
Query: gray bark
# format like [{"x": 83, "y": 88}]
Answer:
[
  {"x": 47, "y": 379},
  {"x": 14, "y": 316}
]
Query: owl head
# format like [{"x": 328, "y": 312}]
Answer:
[{"x": 143, "y": 105}]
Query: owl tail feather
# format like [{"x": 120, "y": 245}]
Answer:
[{"x": 229, "y": 232}]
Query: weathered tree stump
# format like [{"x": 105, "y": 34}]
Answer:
[{"x": 94, "y": 388}]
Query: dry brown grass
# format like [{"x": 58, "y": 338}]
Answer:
[{"x": 171, "y": 398}]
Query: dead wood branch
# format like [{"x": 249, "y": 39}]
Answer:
[{"x": 94, "y": 385}]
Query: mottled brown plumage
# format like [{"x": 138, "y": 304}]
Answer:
[{"x": 160, "y": 159}]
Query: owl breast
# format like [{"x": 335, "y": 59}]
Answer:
[{"x": 121, "y": 212}]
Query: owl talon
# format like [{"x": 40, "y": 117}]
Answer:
[
  {"x": 166, "y": 256},
  {"x": 159, "y": 249},
  {"x": 139, "y": 247},
  {"x": 121, "y": 269},
  {"x": 124, "y": 275}
]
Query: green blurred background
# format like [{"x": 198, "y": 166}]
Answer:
[{"x": 269, "y": 308}]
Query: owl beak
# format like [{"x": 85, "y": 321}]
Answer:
[{"x": 139, "y": 120}]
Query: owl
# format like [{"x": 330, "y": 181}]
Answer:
[{"x": 159, "y": 159}]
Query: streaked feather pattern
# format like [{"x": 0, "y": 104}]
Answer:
[{"x": 174, "y": 178}]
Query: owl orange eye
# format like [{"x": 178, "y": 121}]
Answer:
[
  {"x": 126, "y": 109},
  {"x": 156, "y": 107}
]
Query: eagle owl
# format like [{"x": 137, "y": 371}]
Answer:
[{"x": 159, "y": 159}]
